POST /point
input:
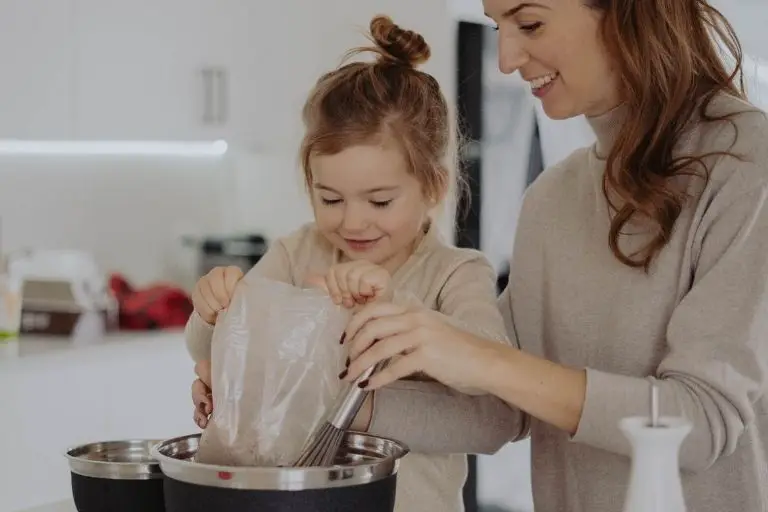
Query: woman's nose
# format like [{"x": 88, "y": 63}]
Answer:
[{"x": 512, "y": 55}]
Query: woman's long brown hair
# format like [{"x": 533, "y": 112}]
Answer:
[{"x": 667, "y": 55}]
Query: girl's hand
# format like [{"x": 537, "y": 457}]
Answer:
[
  {"x": 213, "y": 292},
  {"x": 201, "y": 394},
  {"x": 423, "y": 341},
  {"x": 358, "y": 282}
]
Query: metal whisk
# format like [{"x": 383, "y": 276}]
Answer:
[{"x": 323, "y": 447}]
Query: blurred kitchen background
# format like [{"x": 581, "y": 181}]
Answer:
[{"x": 143, "y": 142}]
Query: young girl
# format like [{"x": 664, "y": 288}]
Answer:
[{"x": 376, "y": 136}]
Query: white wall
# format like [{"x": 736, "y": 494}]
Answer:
[
  {"x": 749, "y": 18},
  {"x": 131, "y": 211}
]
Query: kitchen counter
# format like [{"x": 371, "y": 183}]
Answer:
[
  {"x": 60, "y": 506},
  {"x": 58, "y": 393}
]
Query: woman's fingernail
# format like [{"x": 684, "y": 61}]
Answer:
[
  {"x": 343, "y": 337},
  {"x": 347, "y": 363},
  {"x": 343, "y": 374},
  {"x": 363, "y": 384}
]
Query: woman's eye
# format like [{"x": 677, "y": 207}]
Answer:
[
  {"x": 381, "y": 204},
  {"x": 530, "y": 28},
  {"x": 330, "y": 202}
]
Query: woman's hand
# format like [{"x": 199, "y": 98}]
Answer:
[
  {"x": 423, "y": 341},
  {"x": 201, "y": 394},
  {"x": 213, "y": 292},
  {"x": 358, "y": 282}
]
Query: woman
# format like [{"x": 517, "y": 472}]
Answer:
[{"x": 642, "y": 258}]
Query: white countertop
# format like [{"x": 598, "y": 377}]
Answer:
[
  {"x": 29, "y": 350},
  {"x": 61, "y": 506},
  {"x": 59, "y": 393}
]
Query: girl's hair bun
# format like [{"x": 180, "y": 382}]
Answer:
[{"x": 397, "y": 44}]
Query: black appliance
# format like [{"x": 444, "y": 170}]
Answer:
[{"x": 242, "y": 251}]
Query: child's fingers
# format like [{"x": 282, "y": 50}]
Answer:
[
  {"x": 206, "y": 404},
  {"x": 200, "y": 302},
  {"x": 331, "y": 282},
  {"x": 232, "y": 276},
  {"x": 218, "y": 283},
  {"x": 376, "y": 281},
  {"x": 209, "y": 296},
  {"x": 355, "y": 283},
  {"x": 342, "y": 281},
  {"x": 201, "y": 420},
  {"x": 367, "y": 289}
]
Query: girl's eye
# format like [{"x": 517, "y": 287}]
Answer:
[
  {"x": 533, "y": 27},
  {"x": 381, "y": 204},
  {"x": 330, "y": 202}
]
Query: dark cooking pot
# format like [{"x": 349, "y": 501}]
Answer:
[
  {"x": 364, "y": 479},
  {"x": 116, "y": 476}
]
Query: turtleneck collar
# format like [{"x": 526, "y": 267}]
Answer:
[{"x": 606, "y": 127}]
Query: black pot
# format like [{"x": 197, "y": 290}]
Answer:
[
  {"x": 116, "y": 476},
  {"x": 364, "y": 479}
]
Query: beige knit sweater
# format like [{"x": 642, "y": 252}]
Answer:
[
  {"x": 697, "y": 323},
  {"x": 437, "y": 423}
]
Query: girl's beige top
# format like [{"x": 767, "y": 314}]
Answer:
[{"x": 437, "y": 423}]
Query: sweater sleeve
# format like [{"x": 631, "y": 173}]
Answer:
[
  {"x": 198, "y": 333},
  {"x": 716, "y": 368},
  {"x": 434, "y": 419}
]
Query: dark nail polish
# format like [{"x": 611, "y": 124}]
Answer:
[
  {"x": 343, "y": 374},
  {"x": 363, "y": 384},
  {"x": 347, "y": 363},
  {"x": 343, "y": 337}
]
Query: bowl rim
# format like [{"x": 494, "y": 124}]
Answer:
[
  {"x": 279, "y": 478},
  {"x": 114, "y": 470}
]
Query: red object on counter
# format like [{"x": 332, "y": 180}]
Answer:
[{"x": 158, "y": 306}]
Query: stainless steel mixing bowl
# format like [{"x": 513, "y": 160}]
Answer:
[
  {"x": 116, "y": 476},
  {"x": 364, "y": 478}
]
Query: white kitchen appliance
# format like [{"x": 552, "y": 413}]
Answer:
[{"x": 62, "y": 292}]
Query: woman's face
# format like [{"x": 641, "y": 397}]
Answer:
[{"x": 558, "y": 49}]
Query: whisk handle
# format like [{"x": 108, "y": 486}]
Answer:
[{"x": 349, "y": 403}]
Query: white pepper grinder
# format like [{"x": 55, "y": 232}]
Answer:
[{"x": 654, "y": 483}]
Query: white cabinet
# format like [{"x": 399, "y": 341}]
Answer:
[
  {"x": 36, "y": 52},
  {"x": 273, "y": 53},
  {"x": 140, "y": 70},
  {"x": 171, "y": 70},
  {"x": 189, "y": 70}
]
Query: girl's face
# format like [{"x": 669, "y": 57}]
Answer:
[
  {"x": 368, "y": 205},
  {"x": 557, "y": 47}
]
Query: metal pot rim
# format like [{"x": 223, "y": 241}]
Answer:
[
  {"x": 278, "y": 478},
  {"x": 114, "y": 470}
]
